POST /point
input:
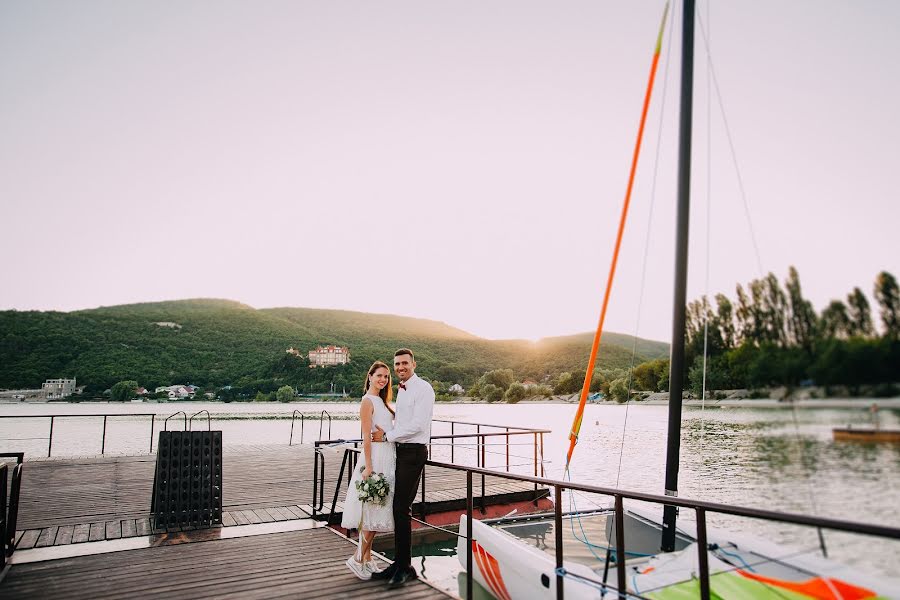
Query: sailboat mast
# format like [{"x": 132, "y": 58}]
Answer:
[{"x": 676, "y": 363}]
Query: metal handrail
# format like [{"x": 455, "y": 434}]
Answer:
[
  {"x": 208, "y": 421},
  {"x": 52, "y": 418},
  {"x": 526, "y": 429},
  {"x": 700, "y": 507},
  {"x": 321, "y": 421},
  {"x": 347, "y": 460},
  {"x": 4, "y": 471},
  {"x": 180, "y": 412},
  {"x": 294, "y": 416},
  {"x": 19, "y": 456},
  {"x": 10, "y": 513}
]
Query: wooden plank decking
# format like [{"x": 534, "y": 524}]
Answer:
[
  {"x": 296, "y": 564},
  {"x": 89, "y": 499}
]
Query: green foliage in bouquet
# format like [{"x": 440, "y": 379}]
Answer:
[{"x": 375, "y": 488}]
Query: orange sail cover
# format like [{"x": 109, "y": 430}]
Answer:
[{"x": 589, "y": 373}]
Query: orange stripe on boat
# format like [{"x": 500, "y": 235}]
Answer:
[
  {"x": 495, "y": 568},
  {"x": 479, "y": 560},
  {"x": 819, "y": 587},
  {"x": 490, "y": 570}
]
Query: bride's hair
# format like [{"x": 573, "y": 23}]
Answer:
[{"x": 387, "y": 392}]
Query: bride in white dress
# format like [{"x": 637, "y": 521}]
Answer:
[{"x": 377, "y": 457}]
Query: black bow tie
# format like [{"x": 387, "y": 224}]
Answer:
[{"x": 402, "y": 386}]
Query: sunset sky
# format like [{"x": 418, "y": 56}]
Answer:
[{"x": 459, "y": 161}]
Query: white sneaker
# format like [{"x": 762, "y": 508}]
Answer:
[
  {"x": 358, "y": 569},
  {"x": 372, "y": 566}
]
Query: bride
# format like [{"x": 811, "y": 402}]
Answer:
[{"x": 378, "y": 457}]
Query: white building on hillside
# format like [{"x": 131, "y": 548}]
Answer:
[
  {"x": 54, "y": 389},
  {"x": 328, "y": 356}
]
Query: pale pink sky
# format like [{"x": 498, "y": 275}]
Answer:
[{"x": 461, "y": 161}]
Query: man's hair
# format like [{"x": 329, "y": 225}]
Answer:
[{"x": 403, "y": 351}]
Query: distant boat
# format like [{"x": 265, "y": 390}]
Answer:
[{"x": 865, "y": 434}]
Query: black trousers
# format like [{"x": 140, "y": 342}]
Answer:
[{"x": 410, "y": 464}]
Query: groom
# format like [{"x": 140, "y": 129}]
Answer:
[{"x": 411, "y": 433}]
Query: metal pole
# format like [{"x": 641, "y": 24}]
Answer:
[
  {"x": 701, "y": 549},
  {"x": 50, "y": 444},
  {"x": 558, "y": 531},
  {"x": 152, "y": 426},
  {"x": 507, "y": 449},
  {"x": 4, "y": 541},
  {"x": 622, "y": 581},
  {"x": 422, "y": 511},
  {"x": 483, "y": 452},
  {"x": 469, "y": 540},
  {"x": 315, "y": 478},
  {"x": 676, "y": 373},
  {"x": 452, "y": 440},
  {"x": 543, "y": 474},
  {"x": 103, "y": 443},
  {"x": 477, "y": 453},
  {"x": 484, "y": 466}
]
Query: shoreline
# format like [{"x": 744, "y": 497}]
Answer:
[{"x": 658, "y": 400}]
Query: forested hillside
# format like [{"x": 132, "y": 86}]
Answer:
[{"x": 213, "y": 343}]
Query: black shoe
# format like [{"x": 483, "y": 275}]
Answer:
[
  {"x": 401, "y": 577},
  {"x": 386, "y": 574}
]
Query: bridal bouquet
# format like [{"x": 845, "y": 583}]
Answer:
[{"x": 374, "y": 489}]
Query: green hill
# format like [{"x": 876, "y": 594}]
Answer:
[{"x": 221, "y": 342}]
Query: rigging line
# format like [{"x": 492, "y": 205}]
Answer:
[
  {"x": 642, "y": 287},
  {"x": 715, "y": 82},
  {"x": 708, "y": 219},
  {"x": 809, "y": 486},
  {"x": 599, "y": 585},
  {"x": 589, "y": 372}
]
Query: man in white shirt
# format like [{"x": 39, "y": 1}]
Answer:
[{"x": 411, "y": 433}]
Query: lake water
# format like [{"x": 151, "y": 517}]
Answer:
[{"x": 768, "y": 458}]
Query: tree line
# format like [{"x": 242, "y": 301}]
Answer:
[{"x": 771, "y": 335}]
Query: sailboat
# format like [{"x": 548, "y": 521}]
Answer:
[{"x": 740, "y": 566}]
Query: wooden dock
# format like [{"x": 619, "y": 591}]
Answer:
[
  {"x": 295, "y": 564},
  {"x": 106, "y": 498},
  {"x": 84, "y": 530}
]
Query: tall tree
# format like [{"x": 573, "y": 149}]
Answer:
[
  {"x": 887, "y": 294},
  {"x": 834, "y": 321},
  {"x": 802, "y": 317},
  {"x": 747, "y": 322},
  {"x": 860, "y": 314},
  {"x": 773, "y": 309},
  {"x": 725, "y": 319}
]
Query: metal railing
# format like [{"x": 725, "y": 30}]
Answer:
[
  {"x": 322, "y": 416},
  {"x": 293, "y": 417},
  {"x": 53, "y": 418},
  {"x": 481, "y": 437},
  {"x": 481, "y": 442},
  {"x": 9, "y": 514},
  {"x": 208, "y": 420},
  {"x": 701, "y": 508}
]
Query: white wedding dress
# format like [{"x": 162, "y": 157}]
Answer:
[{"x": 384, "y": 460}]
